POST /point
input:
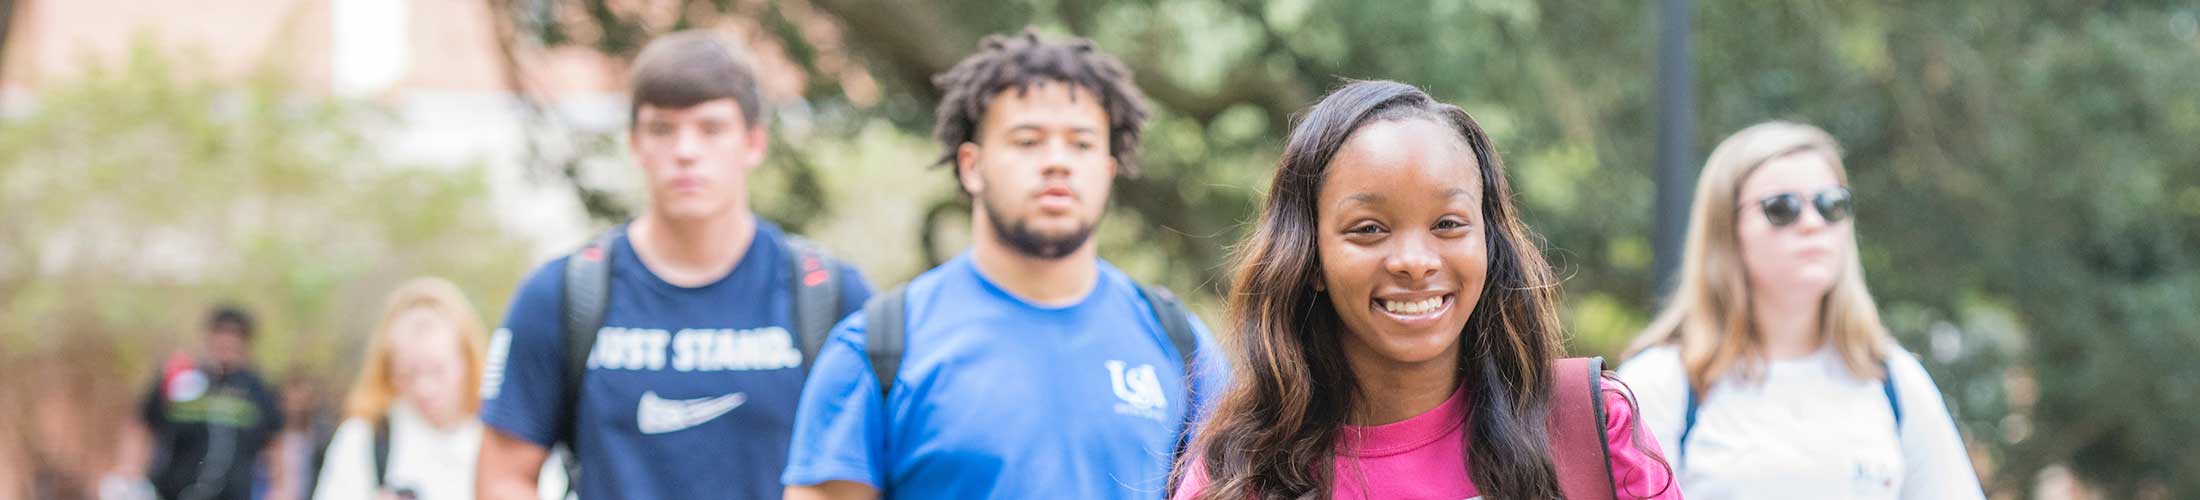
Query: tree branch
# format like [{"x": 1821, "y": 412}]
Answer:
[
  {"x": 912, "y": 42},
  {"x": 540, "y": 121},
  {"x": 906, "y": 38}
]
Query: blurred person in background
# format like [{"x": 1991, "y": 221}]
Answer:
[
  {"x": 410, "y": 429},
  {"x": 1769, "y": 372},
  {"x": 668, "y": 355},
  {"x": 1033, "y": 368},
  {"x": 296, "y": 453},
  {"x": 210, "y": 416}
]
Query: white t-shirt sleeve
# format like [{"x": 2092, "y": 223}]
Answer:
[
  {"x": 347, "y": 471},
  {"x": 551, "y": 484},
  {"x": 1937, "y": 466},
  {"x": 1661, "y": 393}
]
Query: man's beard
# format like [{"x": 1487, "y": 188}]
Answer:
[{"x": 1020, "y": 237}]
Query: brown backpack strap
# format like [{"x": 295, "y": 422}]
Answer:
[{"x": 1576, "y": 426}]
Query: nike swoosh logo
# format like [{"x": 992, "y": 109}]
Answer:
[{"x": 659, "y": 415}]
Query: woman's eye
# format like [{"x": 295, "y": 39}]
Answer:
[
  {"x": 1450, "y": 224},
  {"x": 1365, "y": 229}
]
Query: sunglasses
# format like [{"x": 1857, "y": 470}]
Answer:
[{"x": 1834, "y": 205}]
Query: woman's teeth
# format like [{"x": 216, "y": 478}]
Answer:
[{"x": 1414, "y": 307}]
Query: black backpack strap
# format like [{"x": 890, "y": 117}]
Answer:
[
  {"x": 816, "y": 281},
  {"x": 883, "y": 335},
  {"x": 1176, "y": 321},
  {"x": 381, "y": 451},
  {"x": 587, "y": 298}
]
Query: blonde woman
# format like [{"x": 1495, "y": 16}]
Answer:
[
  {"x": 1769, "y": 374},
  {"x": 410, "y": 429}
]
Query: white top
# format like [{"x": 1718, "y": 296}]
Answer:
[
  {"x": 435, "y": 464},
  {"x": 1810, "y": 430}
]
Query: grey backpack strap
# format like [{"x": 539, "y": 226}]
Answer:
[
  {"x": 816, "y": 281},
  {"x": 587, "y": 297},
  {"x": 883, "y": 335}
]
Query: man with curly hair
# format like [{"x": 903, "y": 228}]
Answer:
[{"x": 1027, "y": 367}]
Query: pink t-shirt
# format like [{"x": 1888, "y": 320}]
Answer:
[{"x": 1425, "y": 457}]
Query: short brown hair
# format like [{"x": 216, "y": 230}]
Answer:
[
  {"x": 1005, "y": 62},
  {"x": 686, "y": 68}
]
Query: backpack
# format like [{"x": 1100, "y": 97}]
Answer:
[
  {"x": 816, "y": 281},
  {"x": 1695, "y": 405},
  {"x": 1579, "y": 449},
  {"x": 886, "y": 332},
  {"x": 381, "y": 452}
]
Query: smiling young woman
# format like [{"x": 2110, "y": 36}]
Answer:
[{"x": 1395, "y": 327}]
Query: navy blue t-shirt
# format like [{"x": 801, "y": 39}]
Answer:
[
  {"x": 690, "y": 392},
  {"x": 997, "y": 397}
]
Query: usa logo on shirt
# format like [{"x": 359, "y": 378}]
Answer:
[{"x": 1139, "y": 389}]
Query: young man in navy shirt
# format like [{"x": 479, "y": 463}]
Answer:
[
  {"x": 1027, "y": 367},
  {"x": 689, "y": 316}
]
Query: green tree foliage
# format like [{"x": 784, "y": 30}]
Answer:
[{"x": 139, "y": 195}]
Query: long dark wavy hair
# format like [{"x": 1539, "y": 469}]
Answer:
[{"x": 1273, "y": 434}]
